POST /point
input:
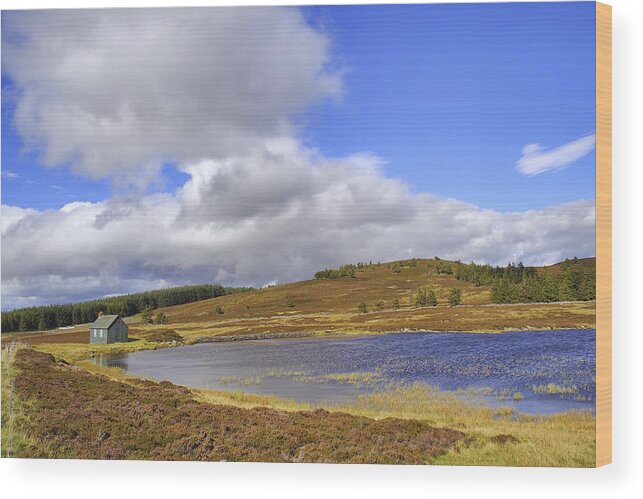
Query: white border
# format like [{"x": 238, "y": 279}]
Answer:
[{"x": 624, "y": 478}]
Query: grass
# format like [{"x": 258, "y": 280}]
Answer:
[
  {"x": 357, "y": 379},
  {"x": 78, "y": 414},
  {"x": 324, "y": 306},
  {"x": 498, "y": 436},
  {"x": 459, "y": 319},
  {"x": 74, "y": 344},
  {"x": 566, "y": 439},
  {"x": 334, "y": 303},
  {"x": 477, "y": 318},
  {"x": 555, "y": 389},
  {"x": 561, "y": 440},
  {"x": 494, "y": 436},
  {"x": 241, "y": 380},
  {"x": 14, "y": 442},
  {"x": 72, "y": 352},
  {"x": 55, "y": 408}
]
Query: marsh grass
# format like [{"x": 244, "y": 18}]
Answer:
[
  {"x": 69, "y": 407},
  {"x": 241, "y": 380},
  {"x": 357, "y": 379},
  {"x": 566, "y": 439},
  {"x": 554, "y": 389},
  {"x": 500, "y": 435}
]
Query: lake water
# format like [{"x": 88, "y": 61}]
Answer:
[{"x": 552, "y": 371}]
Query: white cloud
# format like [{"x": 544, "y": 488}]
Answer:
[
  {"x": 118, "y": 92},
  {"x": 8, "y": 174},
  {"x": 284, "y": 212},
  {"x": 536, "y": 160}
]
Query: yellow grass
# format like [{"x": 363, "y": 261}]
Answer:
[
  {"x": 14, "y": 442},
  {"x": 566, "y": 439}
]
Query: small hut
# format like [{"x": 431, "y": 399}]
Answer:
[{"x": 108, "y": 329}]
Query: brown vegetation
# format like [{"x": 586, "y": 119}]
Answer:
[
  {"x": 470, "y": 318},
  {"x": 330, "y": 306},
  {"x": 74, "y": 414},
  {"x": 372, "y": 284},
  {"x": 163, "y": 336}
]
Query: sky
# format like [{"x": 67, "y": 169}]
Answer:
[{"x": 249, "y": 146}]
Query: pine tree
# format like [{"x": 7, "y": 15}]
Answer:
[
  {"x": 455, "y": 297},
  {"x": 146, "y": 316},
  {"x": 425, "y": 297}
]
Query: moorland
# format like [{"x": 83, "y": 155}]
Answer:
[{"x": 56, "y": 403}]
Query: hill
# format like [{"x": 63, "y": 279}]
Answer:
[
  {"x": 51, "y": 316},
  {"x": 372, "y": 298},
  {"x": 371, "y": 283}
]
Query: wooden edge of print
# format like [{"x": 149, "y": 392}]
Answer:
[{"x": 603, "y": 234}]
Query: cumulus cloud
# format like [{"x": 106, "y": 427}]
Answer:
[
  {"x": 115, "y": 93},
  {"x": 316, "y": 212},
  {"x": 536, "y": 160}
]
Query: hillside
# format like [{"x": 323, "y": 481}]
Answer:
[
  {"x": 385, "y": 282},
  {"x": 387, "y": 290}
]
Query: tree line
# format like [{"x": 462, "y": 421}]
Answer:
[
  {"x": 347, "y": 270},
  {"x": 483, "y": 275},
  {"x": 53, "y": 316},
  {"x": 520, "y": 284},
  {"x": 570, "y": 285}
]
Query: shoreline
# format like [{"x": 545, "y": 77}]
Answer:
[
  {"x": 498, "y": 436},
  {"x": 75, "y": 352},
  {"x": 342, "y": 335},
  {"x": 491, "y": 436}
]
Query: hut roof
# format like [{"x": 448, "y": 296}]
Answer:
[{"x": 104, "y": 321}]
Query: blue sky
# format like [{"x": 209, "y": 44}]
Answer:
[
  {"x": 252, "y": 146},
  {"x": 450, "y": 94},
  {"x": 447, "y": 95}
]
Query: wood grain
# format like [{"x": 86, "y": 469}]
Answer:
[{"x": 603, "y": 234}]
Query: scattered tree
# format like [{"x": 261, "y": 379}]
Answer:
[
  {"x": 347, "y": 270},
  {"x": 455, "y": 297},
  {"x": 146, "y": 316},
  {"x": 160, "y": 318},
  {"x": 396, "y": 304},
  {"x": 379, "y": 305},
  {"x": 219, "y": 311},
  {"x": 425, "y": 297},
  {"x": 290, "y": 302},
  {"x": 362, "y": 308}
]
